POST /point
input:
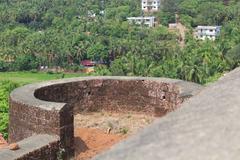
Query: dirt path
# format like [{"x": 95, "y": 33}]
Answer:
[
  {"x": 90, "y": 142},
  {"x": 97, "y": 132},
  {"x": 182, "y": 30}
]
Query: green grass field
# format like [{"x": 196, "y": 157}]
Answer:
[
  {"x": 29, "y": 77},
  {"x": 11, "y": 80}
]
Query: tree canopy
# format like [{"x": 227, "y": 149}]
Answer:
[{"x": 63, "y": 33}]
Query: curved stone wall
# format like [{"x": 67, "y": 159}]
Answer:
[
  {"x": 150, "y": 97},
  {"x": 206, "y": 127},
  {"x": 49, "y": 107}
]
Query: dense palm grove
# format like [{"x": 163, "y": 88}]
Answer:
[{"x": 63, "y": 32}]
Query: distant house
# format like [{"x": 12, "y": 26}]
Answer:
[
  {"x": 88, "y": 66},
  {"x": 207, "y": 32},
  {"x": 172, "y": 25},
  {"x": 91, "y": 14},
  {"x": 102, "y": 12},
  {"x": 88, "y": 63},
  {"x": 150, "y": 5},
  {"x": 148, "y": 21}
]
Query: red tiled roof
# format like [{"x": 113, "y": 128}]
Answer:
[{"x": 87, "y": 63}]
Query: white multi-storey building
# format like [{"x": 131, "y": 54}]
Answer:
[
  {"x": 207, "y": 32},
  {"x": 148, "y": 21},
  {"x": 150, "y": 5}
]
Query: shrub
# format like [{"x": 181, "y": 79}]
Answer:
[
  {"x": 60, "y": 75},
  {"x": 33, "y": 70},
  {"x": 123, "y": 130},
  {"x": 25, "y": 63},
  {"x": 3, "y": 66},
  {"x": 75, "y": 68},
  {"x": 102, "y": 70},
  {"x": 50, "y": 72},
  {"x": 5, "y": 88}
]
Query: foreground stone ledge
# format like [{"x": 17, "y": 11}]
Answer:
[
  {"x": 205, "y": 128},
  {"x": 42, "y": 147},
  {"x": 49, "y": 107}
]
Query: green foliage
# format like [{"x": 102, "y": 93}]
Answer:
[
  {"x": 5, "y": 88},
  {"x": 97, "y": 51},
  {"x": 31, "y": 77},
  {"x": 118, "y": 68},
  {"x": 25, "y": 62},
  {"x": 123, "y": 130},
  {"x": 166, "y": 18},
  {"x": 3, "y": 66},
  {"x": 214, "y": 78},
  {"x": 233, "y": 57},
  {"x": 75, "y": 68},
  {"x": 102, "y": 70},
  {"x": 63, "y": 33}
]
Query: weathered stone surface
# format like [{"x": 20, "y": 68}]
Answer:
[
  {"x": 204, "y": 128},
  {"x": 41, "y": 147},
  {"x": 49, "y": 107}
]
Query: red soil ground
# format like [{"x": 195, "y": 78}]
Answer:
[
  {"x": 96, "y": 132},
  {"x": 3, "y": 143},
  {"x": 89, "y": 142}
]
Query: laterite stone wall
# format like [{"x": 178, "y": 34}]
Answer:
[
  {"x": 149, "y": 97},
  {"x": 49, "y": 107}
]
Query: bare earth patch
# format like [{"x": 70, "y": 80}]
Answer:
[
  {"x": 3, "y": 142},
  {"x": 96, "y": 132}
]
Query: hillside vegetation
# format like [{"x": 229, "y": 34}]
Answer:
[
  {"x": 63, "y": 32},
  {"x": 5, "y": 88}
]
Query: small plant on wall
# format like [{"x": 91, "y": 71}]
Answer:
[{"x": 60, "y": 153}]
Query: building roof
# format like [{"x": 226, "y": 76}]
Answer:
[
  {"x": 208, "y": 27},
  {"x": 132, "y": 18},
  {"x": 88, "y": 63},
  {"x": 150, "y": 0}
]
